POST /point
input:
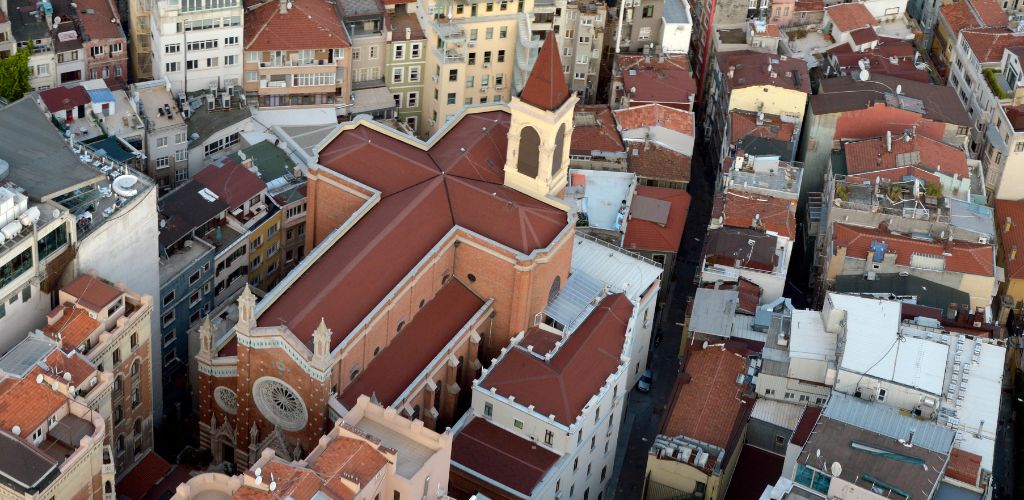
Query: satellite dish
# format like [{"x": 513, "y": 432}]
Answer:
[
  {"x": 258, "y": 472},
  {"x": 71, "y": 390},
  {"x": 67, "y": 376},
  {"x": 899, "y": 88},
  {"x": 56, "y": 21},
  {"x": 836, "y": 469},
  {"x": 705, "y": 345},
  {"x": 39, "y": 378},
  {"x": 864, "y": 75},
  {"x": 817, "y": 453},
  {"x": 16, "y": 430}
]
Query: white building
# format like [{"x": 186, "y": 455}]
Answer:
[
  {"x": 197, "y": 44},
  {"x": 676, "y": 27},
  {"x": 553, "y": 399}
]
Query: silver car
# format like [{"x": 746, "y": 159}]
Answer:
[{"x": 644, "y": 385}]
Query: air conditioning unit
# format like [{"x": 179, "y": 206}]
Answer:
[
  {"x": 487, "y": 65},
  {"x": 499, "y": 87},
  {"x": 472, "y": 44}
]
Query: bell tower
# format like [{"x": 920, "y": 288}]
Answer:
[{"x": 537, "y": 161}]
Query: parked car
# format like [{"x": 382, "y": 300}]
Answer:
[{"x": 644, "y": 385}]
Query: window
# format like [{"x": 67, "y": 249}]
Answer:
[
  {"x": 472, "y": 58},
  {"x": 487, "y": 57},
  {"x": 400, "y": 51},
  {"x": 414, "y": 51},
  {"x": 575, "y": 466},
  {"x": 453, "y": 75},
  {"x": 789, "y": 395},
  {"x": 192, "y": 64},
  {"x": 548, "y": 437},
  {"x": 593, "y": 444},
  {"x": 451, "y": 98},
  {"x": 229, "y": 60},
  {"x": 881, "y": 394},
  {"x": 168, "y": 298},
  {"x": 171, "y": 67},
  {"x": 414, "y": 74},
  {"x": 181, "y": 175},
  {"x": 584, "y": 39},
  {"x": 645, "y": 33},
  {"x": 172, "y": 48},
  {"x": 503, "y": 32},
  {"x": 501, "y": 56},
  {"x": 194, "y": 298},
  {"x": 490, "y": 6},
  {"x": 115, "y": 355},
  {"x": 648, "y": 11},
  {"x": 412, "y": 99},
  {"x": 373, "y": 52},
  {"x": 518, "y": 424},
  {"x": 168, "y": 318},
  {"x": 489, "y": 34},
  {"x": 804, "y": 398},
  {"x": 580, "y": 76},
  {"x": 1019, "y": 147},
  {"x": 96, "y": 51},
  {"x": 397, "y": 74},
  {"x": 136, "y": 397},
  {"x": 355, "y": 54},
  {"x": 134, "y": 341},
  {"x": 469, "y": 83},
  {"x": 488, "y": 410}
]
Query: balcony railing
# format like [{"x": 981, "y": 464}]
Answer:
[{"x": 291, "y": 63}]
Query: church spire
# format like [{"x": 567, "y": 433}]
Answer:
[{"x": 546, "y": 88}]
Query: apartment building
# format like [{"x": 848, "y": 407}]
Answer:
[
  {"x": 580, "y": 28},
  {"x": 29, "y": 26},
  {"x": 366, "y": 22},
  {"x": 659, "y": 143},
  {"x": 652, "y": 79},
  {"x": 476, "y": 53},
  {"x": 848, "y": 108},
  {"x": 7, "y": 41},
  {"x": 104, "y": 214},
  {"x": 53, "y": 448},
  {"x": 110, "y": 327},
  {"x": 696, "y": 452},
  {"x": 196, "y": 44},
  {"x": 286, "y": 71},
  {"x": 104, "y": 42},
  {"x": 956, "y": 17},
  {"x": 713, "y": 20},
  {"x": 754, "y": 82},
  {"x": 140, "y": 48},
  {"x": 406, "y": 65},
  {"x": 977, "y": 54},
  {"x": 652, "y": 27},
  {"x": 1004, "y": 142},
  {"x": 596, "y": 143},
  {"x": 69, "y": 54},
  {"x": 166, "y": 137}
]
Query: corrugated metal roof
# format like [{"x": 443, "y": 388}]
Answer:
[
  {"x": 19, "y": 360},
  {"x": 622, "y": 271},
  {"x": 713, "y": 311},
  {"x": 579, "y": 295},
  {"x": 785, "y": 415},
  {"x": 888, "y": 422}
]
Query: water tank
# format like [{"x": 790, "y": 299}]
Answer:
[
  {"x": 30, "y": 217},
  {"x": 11, "y": 231}
]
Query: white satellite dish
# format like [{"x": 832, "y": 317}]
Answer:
[
  {"x": 56, "y": 21},
  {"x": 817, "y": 453},
  {"x": 836, "y": 469},
  {"x": 705, "y": 345},
  {"x": 864, "y": 75},
  {"x": 67, "y": 376},
  {"x": 39, "y": 378},
  {"x": 71, "y": 390},
  {"x": 899, "y": 89}
]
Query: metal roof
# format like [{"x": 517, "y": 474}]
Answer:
[
  {"x": 782, "y": 414},
  {"x": 19, "y": 360},
  {"x": 887, "y": 421},
  {"x": 713, "y": 311},
  {"x": 580, "y": 293}
]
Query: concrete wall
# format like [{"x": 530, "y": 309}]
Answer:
[{"x": 125, "y": 250}]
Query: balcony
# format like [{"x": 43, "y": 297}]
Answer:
[
  {"x": 291, "y": 63},
  {"x": 108, "y": 462},
  {"x": 997, "y": 83}
]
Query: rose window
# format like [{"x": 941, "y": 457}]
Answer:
[
  {"x": 226, "y": 399},
  {"x": 279, "y": 403}
]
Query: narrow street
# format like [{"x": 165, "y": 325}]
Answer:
[{"x": 644, "y": 412}]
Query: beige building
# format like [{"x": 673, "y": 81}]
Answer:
[
  {"x": 370, "y": 451},
  {"x": 579, "y": 27},
  {"x": 283, "y": 71},
  {"x": 476, "y": 53}
]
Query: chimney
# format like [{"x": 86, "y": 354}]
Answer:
[
  {"x": 1007, "y": 225},
  {"x": 282, "y": 6},
  {"x": 888, "y": 141},
  {"x": 732, "y": 71},
  {"x": 1013, "y": 253},
  {"x": 408, "y": 33}
]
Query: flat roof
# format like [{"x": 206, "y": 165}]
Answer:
[
  {"x": 874, "y": 346},
  {"x": 808, "y": 338},
  {"x": 780, "y": 413},
  {"x": 41, "y": 162},
  {"x": 713, "y": 311},
  {"x": 605, "y": 194},
  {"x": 977, "y": 413},
  {"x": 411, "y": 454}
]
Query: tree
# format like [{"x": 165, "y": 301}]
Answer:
[{"x": 14, "y": 75}]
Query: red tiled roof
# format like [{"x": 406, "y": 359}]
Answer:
[
  {"x": 751, "y": 69},
  {"x": 61, "y": 362},
  {"x": 806, "y": 425},
  {"x": 97, "y": 25},
  {"x": 988, "y": 43},
  {"x": 653, "y": 161},
  {"x": 404, "y": 358},
  {"x": 708, "y": 408},
  {"x": 864, "y": 36},
  {"x": 959, "y": 256},
  {"x": 28, "y": 404},
  {"x": 542, "y": 341},
  {"x": 91, "y": 292},
  {"x": 418, "y": 207},
  {"x": 958, "y": 16},
  {"x": 744, "y": 124},
  {"x": 600, "y": 137},
  {"x": 880, "y": 59},
  {"x": 143, "y": 476},
  {"x": 651, "y": 115},
  {"x": 501, "y": 456},
  {"x": 74, "y": 326},
  {"x": 666, "y": 79},
  {"x": 990, "y": 12},
  {"x": 850, "y": 16},
  {"x": 309, "y": 24},
  {"x": 233, "y": 183},
  {"x": 545, "y": 87},
  {"x": 777, "y": 215},
  {"x": 808, "y": 6},
  {"x": 870, "y": 155},
  {"x": 563, "y": 385},
  {"x": 650, "y": 236},
  {"x": 64, "y": 98},
  {"x": 355, "y": 459},
  {"x": 1012, "y": 237},
  {"x": 963, "y": 466}
]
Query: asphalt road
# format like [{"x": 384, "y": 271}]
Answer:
[{"x": 644, "y": 412}]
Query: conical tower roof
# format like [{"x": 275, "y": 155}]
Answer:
[{"x": 546, "y": 88}]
